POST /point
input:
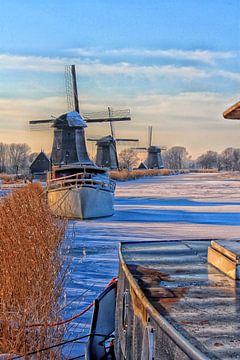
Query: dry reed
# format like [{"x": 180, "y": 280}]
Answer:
[
  {"x": 7, "y": 179},
  {"x": 124, "y": 175},
  {"x": 30, "y": 272},
  {"x": 205, "y": 171}
]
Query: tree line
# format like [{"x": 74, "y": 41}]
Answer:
[
  {"x": 177, "y": 158},
  {"x": 15, "y": 158}
]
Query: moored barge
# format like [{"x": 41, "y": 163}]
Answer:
[
  {"x": 172, "y": 304},
  {"x": 80, "y": 192}
]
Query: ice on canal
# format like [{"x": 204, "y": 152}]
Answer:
[{"x": 203, "y": 206}]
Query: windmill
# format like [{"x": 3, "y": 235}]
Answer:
[
  {"x": 69, "y": 144},
  {"x": 154, "y": 158},
  {"x": 107, "y": 147}
]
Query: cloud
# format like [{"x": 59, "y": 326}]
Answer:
[
  {"x": 90, "y": 68},
  {"x": 204, "y": 56},
  {"x": 192, "y": 119},
  {"x": 93, "y": 68}
]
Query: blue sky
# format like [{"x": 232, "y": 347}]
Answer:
[{"x": 175, "y": 64}]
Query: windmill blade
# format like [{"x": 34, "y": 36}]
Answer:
[
  {"x": 71, "y": 88},
  {"x": 40, "y": 125},
  {"x": 103, "y": 116},
  {"x": 149, "y": 136},
  {"x": 139, "y": 148},
  {"x": 93, "y": 139},
  {"x": 47, "y": 121},
  {"x": 110, "y": 122},
  {"x": 127, "y": 140}
]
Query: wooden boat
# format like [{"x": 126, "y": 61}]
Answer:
[
  {"x": 80, "y": 191},
  {"x": 172, "y": 304}
]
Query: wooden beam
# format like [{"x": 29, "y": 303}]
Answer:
[{"x": 233, "y": 112}]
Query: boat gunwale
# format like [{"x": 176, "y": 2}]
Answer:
[
  {"x": 107, "y": 185},
  {"x": 80, "y": 186},
  {"x": 82, "y": 177},
  {"x": 185, "y": 345}
]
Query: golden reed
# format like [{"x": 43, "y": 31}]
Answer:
[{"x": 30, "y": 272}]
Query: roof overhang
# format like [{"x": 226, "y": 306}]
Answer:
[{"x": 233, "y": 112}]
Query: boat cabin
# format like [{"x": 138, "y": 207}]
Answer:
[{"x": 69, "y": 170}]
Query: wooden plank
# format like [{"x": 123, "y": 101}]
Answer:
[
  {"x": 229, "y": 248},
  {"x": 233, "y": 112},
  {"x": 222, "y": 263}
]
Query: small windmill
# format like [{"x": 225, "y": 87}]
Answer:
[
  {"x": 107, "y": 147},
  {"x": 69, "y": 144},
  {"x": 154, "y": 158}
]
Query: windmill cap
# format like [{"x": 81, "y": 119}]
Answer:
[
  {"x": 105, "y": 140},
  {"x": 71, "y": 119},
  {"x": 154, "y": 148}
]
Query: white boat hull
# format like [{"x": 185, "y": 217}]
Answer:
[{"x": 81, "y": 203}]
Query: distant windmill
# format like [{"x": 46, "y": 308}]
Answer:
[
  {"x": 154, "y": 158},
  {"x": 69, "y": 144},
  {"x": 107, "y": 147}
]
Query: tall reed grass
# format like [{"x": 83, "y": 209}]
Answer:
[
  {"x": 30, "y": 272},
  {"x": 136, "y": 174}
]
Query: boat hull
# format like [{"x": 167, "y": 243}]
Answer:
[{"x": 83, "y": 202}]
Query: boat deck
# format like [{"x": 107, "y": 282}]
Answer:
[{"x": 201, "y": 303}]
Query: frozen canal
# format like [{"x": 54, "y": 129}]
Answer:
[{"x": 172, "y": 207}]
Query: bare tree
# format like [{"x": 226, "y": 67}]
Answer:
[
  {"x": 32, "y": 157},
  {"x": 3, "y": 157},
  {"x": 128, "y": 158},
  {"x": 175, "y": 158},
  {"x": 18, "y": 157},
  {"x": 230, "y": 159},
  {"x": 209, "y": 160}
]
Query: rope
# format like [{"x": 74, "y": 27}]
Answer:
[
  {"x": 113, "y": 281},
  {"x": 56, "y": 345},
  {"x": 64, "y": 321}
]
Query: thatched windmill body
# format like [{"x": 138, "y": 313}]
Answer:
[{"x": 69, "y": 145}]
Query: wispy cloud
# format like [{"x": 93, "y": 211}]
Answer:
[
  {"x": 93, "y": 68},
  {"x": 205, "y": 56},
  {"x": 183, "y": 118}
]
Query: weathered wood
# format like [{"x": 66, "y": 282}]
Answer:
[
  {"x": 233, "y": 112},
  {"x": 223, "y": 263},
  {"x": 229, "y": 248}
]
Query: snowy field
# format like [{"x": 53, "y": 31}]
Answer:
[{"x": 189, "y": 206}]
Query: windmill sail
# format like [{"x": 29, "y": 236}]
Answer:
[{"x": 71, "y": 88}]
